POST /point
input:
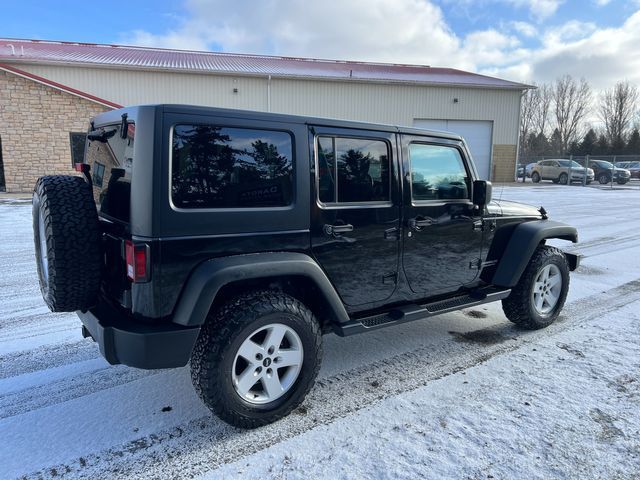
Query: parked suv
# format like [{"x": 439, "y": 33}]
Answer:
[
  {"x": 633, "y": 167},
  {"x": 234, "y": 240},
  {"x": 606, "y": 171},
  {"x": 561, "y": 171}
]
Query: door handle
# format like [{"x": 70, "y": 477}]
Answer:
[
  {"x": 420, "y": 222},
  {"x": 336, "y": 230}
]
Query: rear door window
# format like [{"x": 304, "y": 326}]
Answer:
[
  {"x": 224, "y": 167},
  {"x": 353, "y": 170},
  {"x": 111, "y": 161}
]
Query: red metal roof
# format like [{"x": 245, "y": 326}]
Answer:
[{"x": 37, "y": 51}]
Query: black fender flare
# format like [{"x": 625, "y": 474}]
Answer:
[
  {"x": 523, "y": 242},
  {"x": 210, "y": 276}
]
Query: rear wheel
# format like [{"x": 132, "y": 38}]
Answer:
[
  {"x": 536, "y": 301},
  {"x": 535, "y": 177},
  {"x": 67, "y": 243},
  {"x": 563, "y": 179},
  {"x": 256, "y": 358}
]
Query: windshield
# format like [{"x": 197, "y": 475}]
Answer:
[
  {"x": 111, "y": 159},
  {"x": 569, "y": 163},
  {"x": 604, "y": 164}
]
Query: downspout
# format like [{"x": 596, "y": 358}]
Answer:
[
  {"x": 515, "y": 174},
  {"x": 269, "y": 93}
]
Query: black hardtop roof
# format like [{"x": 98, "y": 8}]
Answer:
[{"x": 115, "y": 115}]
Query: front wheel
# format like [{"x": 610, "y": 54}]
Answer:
[
  {"x": 256, "y": 358},
  {"x": 536, "y": 301},
  {"x": 603, "y": 179},
  {"x": 535, "y": 177}
]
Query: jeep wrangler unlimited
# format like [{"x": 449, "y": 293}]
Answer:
[{"x": 234, "y": 240}]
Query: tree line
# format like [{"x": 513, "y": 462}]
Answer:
[{"x": 554, "y": 119}]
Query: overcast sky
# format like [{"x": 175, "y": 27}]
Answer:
[{"x": 525, "y": 40}]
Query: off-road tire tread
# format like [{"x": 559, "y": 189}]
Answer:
[
  {"x": 217, "y": 332},
  {"x": 516, "y": 306},
  {"x": 73, "y": 242}
]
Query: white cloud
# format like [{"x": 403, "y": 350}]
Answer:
[
  {"x": 540, "y": 9},
  {"x": 406, "y": 31},
  {"x": 525, "y": 29},
  {"x": 602, "y": 3}
]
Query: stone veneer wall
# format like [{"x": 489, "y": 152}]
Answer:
[
  {"x": 35, "y": 121},
  {"x": 504, "y": 163}
]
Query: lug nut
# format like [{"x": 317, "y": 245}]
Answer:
[
  {"x": 259, "y": 370},
  {"x": 271, "y": 350},
  {"x": 258, "y": 356},
  {"x": 269, "y": 371}
]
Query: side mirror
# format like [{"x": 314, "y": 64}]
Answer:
[{"x": 482, "y": 190}]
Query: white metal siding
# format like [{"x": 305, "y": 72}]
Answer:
[
  {"x": 390, "y": 103},
  {"x": 476, "y": 133}
]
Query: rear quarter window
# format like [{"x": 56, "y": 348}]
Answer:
[{"x": 227, "y": 167}]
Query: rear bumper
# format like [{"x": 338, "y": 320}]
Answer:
[{"x": 136, "y": 344}]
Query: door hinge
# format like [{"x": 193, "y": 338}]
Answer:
[
  {"x": 390, "y": 279},
  {"x": 392, "y": 233},
  {"x": 482, "y": 225},
  {"x": 475, "y": 264},
  {"x": 478, "y": 264}
]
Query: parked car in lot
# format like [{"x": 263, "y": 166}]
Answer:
[
  {"x": 526, "y": 170},
  {"x": 633, "y": 167},
  {"x": 233, "y": 240},
  {"x": 605, "y": 170},
  {"x": 561, "y": 171}
]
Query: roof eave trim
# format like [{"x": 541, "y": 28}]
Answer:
[
  {"x": 512, "y": 86},
  {"x": 58, "y": 86}
]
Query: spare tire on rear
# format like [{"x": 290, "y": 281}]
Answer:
[{"x": 67, "y": 242}]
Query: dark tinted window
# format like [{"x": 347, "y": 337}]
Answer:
[
  {"x": 361, "y": 167},
  {"x": 111, "y": 161},
  {"x": 78, "y": 142},
  {"x": 437, "y": 173},
  {"x": 220, "y": 167}
]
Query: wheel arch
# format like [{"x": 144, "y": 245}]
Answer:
[
  {"x": 216, "y": 280},
  {"x": 524, "y": 240}
]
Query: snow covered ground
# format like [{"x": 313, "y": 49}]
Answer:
[{"x": 463, "y": 395}]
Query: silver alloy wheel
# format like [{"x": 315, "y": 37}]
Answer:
[
  {"x": 267, "y": 363},
  {"x": 547, "y": 289},
  {"x": 44, "y": 262}
]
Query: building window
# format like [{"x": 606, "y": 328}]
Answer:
[
  {"x": 223, "y": 167},
  {"x": 353, "y": 170},
  {"x": 78, "y": 141}
]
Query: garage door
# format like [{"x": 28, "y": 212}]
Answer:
[{"x": 476, "y": 133}]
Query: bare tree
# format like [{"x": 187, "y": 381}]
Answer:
[
  {"x": 571, "y": 100},
  {"x": 617, "y": 108},
  {"x": 534, "y": 113},
  {"x": 528, "y": 113},
  {"x": 543, "y": 107}
]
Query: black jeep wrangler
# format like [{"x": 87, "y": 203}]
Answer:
[{"x": 234, "y": 240}]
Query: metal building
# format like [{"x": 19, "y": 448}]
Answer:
[{"x": 49, "y": 89}]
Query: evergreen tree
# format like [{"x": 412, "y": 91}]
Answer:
[
  {"x": 539, "y": 144},
  {"x": 555, "y": 144},
  {"x": 617, "y": 146},
  {"x": 633, "y": 145},
  {"x": 602, "y": 146},
  {"x": 588, "y": 144}
]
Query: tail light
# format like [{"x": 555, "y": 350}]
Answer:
[{"x": 138, "y": 261}]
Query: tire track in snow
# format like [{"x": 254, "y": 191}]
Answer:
[{"x": 205, "y": 443}]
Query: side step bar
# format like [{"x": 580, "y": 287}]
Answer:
[{"x": 412, "y": 312}]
